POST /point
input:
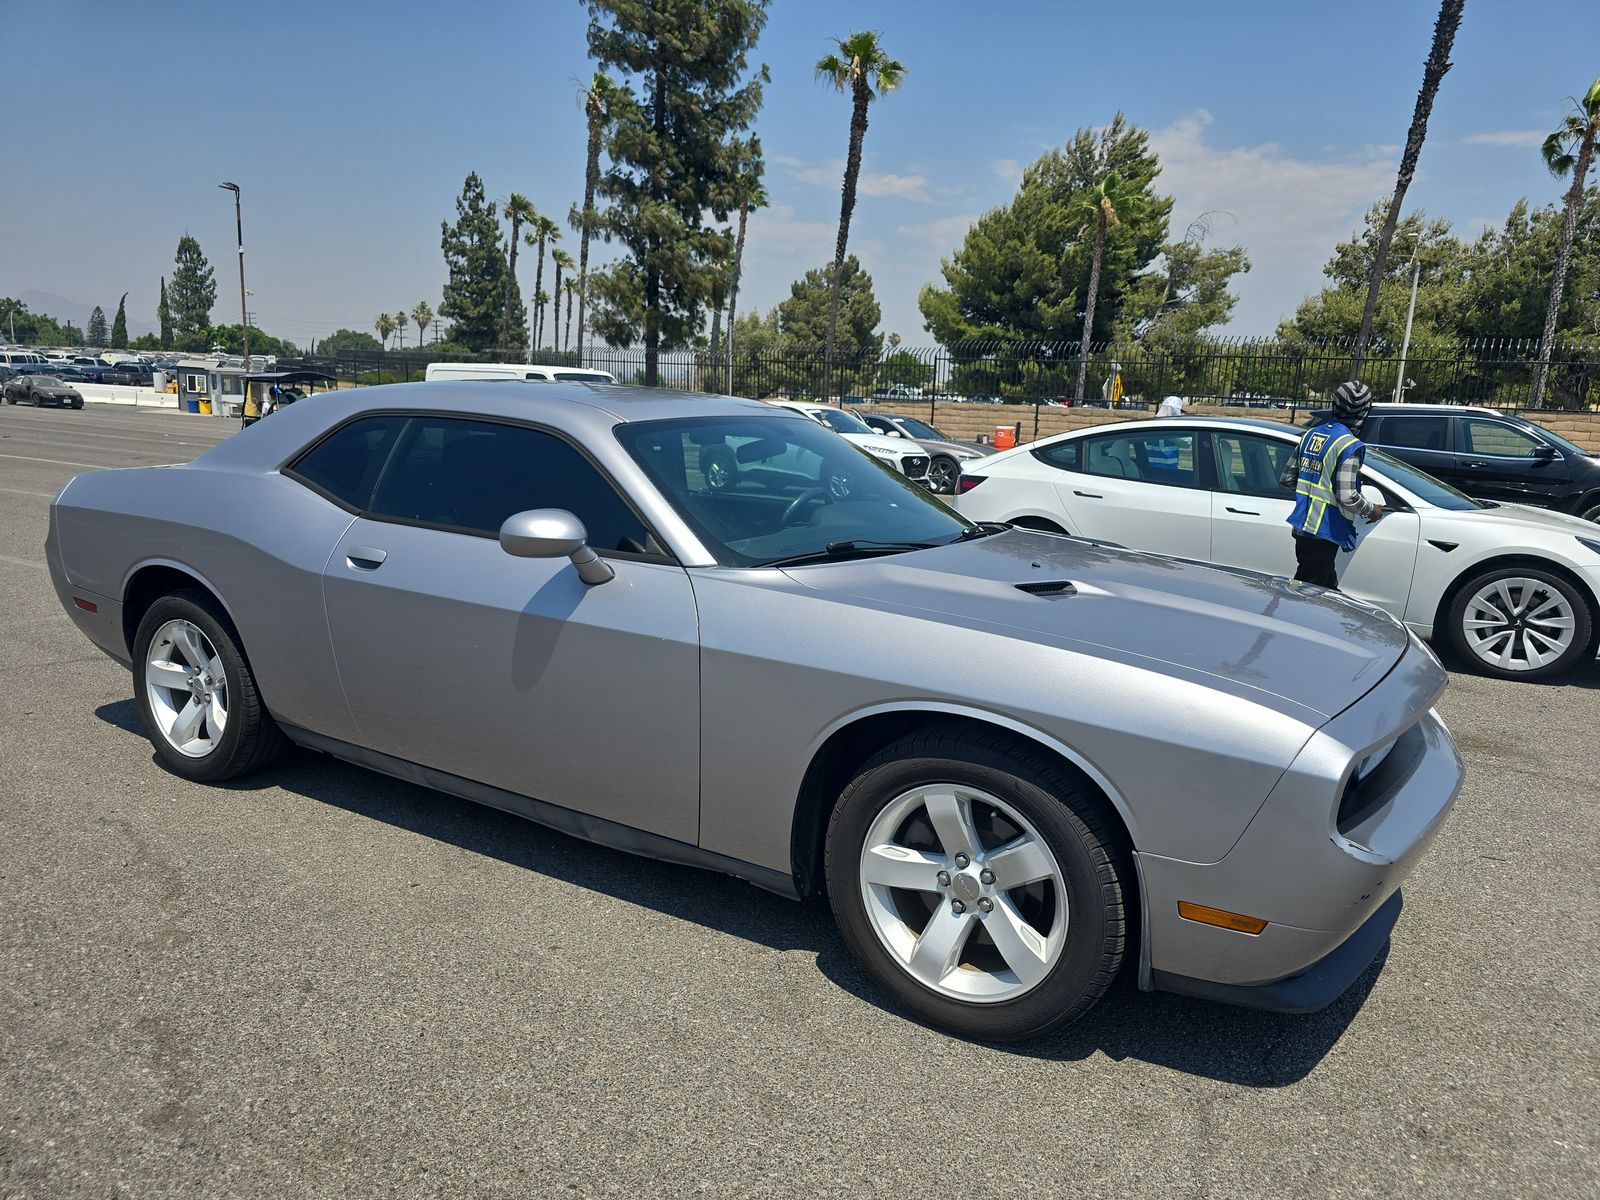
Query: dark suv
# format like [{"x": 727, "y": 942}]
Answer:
[{"x": 1488, "y": 455}]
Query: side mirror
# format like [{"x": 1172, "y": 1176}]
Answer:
[
  {"x": 554, "y": 533},
  {"x": 1368, "y": 493},
  {"x": 894, "y": 433},
  {"x": 1544, "y": 450}
]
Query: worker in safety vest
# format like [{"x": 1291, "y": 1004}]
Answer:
[{"x": 1325, "y": 473}]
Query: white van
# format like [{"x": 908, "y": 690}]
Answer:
[{"x": 458, "y": 370}]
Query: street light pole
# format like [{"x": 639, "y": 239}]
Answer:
[
  {"x": 1405, "y": 345},
  {"x": 244, "y": 314}
]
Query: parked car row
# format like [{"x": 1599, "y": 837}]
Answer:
[
  {"x": 1515, "y": 588},
  {"x": 1015, "y": 763}
]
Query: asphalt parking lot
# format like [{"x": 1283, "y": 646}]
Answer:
[{"x": 322, "y": 981}]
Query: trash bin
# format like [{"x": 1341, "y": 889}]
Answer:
[
  {"x": 1005, "y": 437},
  {"x": 191, "y": 404}
]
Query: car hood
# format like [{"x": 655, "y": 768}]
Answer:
[
  {"x": 1292, "y": 647},
  {"x": 1539, "y": 518},
  {"x": 882, "y": 444}
]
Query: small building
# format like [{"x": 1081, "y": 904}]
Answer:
[{"x": 220, "y": 384}]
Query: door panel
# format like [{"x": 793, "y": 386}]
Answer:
[
  {"x": 515, "y": 673},
  {"x": 1141, "y": 489},
  {"x": 1498, "y": 462}
]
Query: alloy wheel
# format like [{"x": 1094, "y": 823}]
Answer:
[
  {"x": 942, "y": 474},
  {"x": 1518, "y": 624},
  {"x": 187, "y": 688},
  {"x": 964, "y": 893}
]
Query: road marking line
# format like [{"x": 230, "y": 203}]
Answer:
[
  {"x": 24, "y": 492},
  {"x": 60, "y": 462},
  {"x": 23, "y": 562}
]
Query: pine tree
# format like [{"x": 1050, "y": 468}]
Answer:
[
  {"x": 193, "y": 292},
  {"x": 95, "y": 332},
  {"x": 475, "y": 296},
  {"x": 119, "y": 327},
  {"x": 164, "y": 317},
  {"x": 682, "y": 95}
]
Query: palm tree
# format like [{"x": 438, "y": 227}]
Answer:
[
  {"x": 1110, "y": 203},
  {"x": 572, "y": 289},
  {"x": 1570, "y": 149},
  {"x": 421, "y": 317},
  {"x": 749, "y": 193},
  {"x": 400, "y": 319},
  {"x": 861, "y": 68},
  {"x": 384, "y": 326},
  {"x": 597, "y": 99},
  {"x": 519, "y": 210},
  {"x": 540, "y": 229},
  {"x": 563, "y": 261},
  {"x": 1433, "y": 71}
]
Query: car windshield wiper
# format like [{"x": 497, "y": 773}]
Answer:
[
  {"x": 853, "y": 548},
  {"x": 981, "y": 530}
]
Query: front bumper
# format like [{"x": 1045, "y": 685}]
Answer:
[{"x": 1322, "y": 861}]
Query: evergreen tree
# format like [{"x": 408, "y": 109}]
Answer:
[
  {"x": 682, "y": 95},
  {"x": 96, "y": 330},
  {"x": 193, "y": 292},
  {"x": 164, "y": 317},
  {"x": 119, "y": 327},
  {"x": 475, "y": 296},
  {"x": 850, "y": 310}
]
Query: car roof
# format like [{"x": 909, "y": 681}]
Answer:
[{"x": 583, "y": 409}]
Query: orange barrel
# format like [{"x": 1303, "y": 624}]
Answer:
[{"x": 1005, "y": 437}]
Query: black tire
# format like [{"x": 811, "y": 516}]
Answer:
[
  {"x": 1577, "y": 601},
  {"x": 943, "y": 471},
  {"x": 1591, "y": 511},
  {"x": 1038, "y": 525},
  {"x": 78, "y": 403},
  {"x": 251, "y": 740},
  {"x": 1087, "y": 844}
]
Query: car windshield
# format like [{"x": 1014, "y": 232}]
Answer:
[
  {"x": 1419, "y": 483},
  {"x": 921, "y": 429},
  {"x": 842, "y": 422},
  {"x": 1557, "y": 439},
  {"x": 757, "y": 490}
]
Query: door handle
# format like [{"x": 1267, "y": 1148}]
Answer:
[
  {"x": 1476, "y": 464},
  {"x": 365, "y": 558},
  {"x": 1088, "y": 495},
  {"x": 1244, "y": 512}
]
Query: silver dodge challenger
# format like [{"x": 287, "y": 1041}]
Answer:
[{"x": 531, "y": 597}]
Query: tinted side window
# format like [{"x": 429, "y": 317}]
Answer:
[
  {"x": 346, "y": 463},
  {"x": 472, "y": 475},
  {"x": 1416, "y": 433},
  {"x": 1250, "y": 465},
  {"x": 1497, "y": 438},
  {"x": 1062, "y": 454},
  {"x": 1155, "y": 457}
]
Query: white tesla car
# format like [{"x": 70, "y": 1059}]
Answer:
[{"x": 1516, "y": 589}]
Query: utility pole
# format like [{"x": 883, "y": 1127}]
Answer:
[
  {"x": 244, "y": 315},
  {"x": 1405, "y": 344}
]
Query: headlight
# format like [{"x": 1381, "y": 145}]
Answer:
[
  {"x": 888, "y": 455},
  {"x": 1591, "y": 543}
]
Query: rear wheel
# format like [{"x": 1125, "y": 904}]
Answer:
[
  {"x": 978, "y": 884},
  {"x": 197, "y": 694},
  {"x": 1590, "y": 511},
  {"x": 942, "y": 475},
  {"x": 1520, "y": 623}
]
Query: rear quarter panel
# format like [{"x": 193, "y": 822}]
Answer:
[{"x": 258, "y": 541}]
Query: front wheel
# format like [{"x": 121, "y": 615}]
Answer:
[
  {"x": 1520, "y": 623},
  {"x": 978, "y": 884},
  {"x": 197, "y": 694},
  {"x": 1591, "y": 513}
]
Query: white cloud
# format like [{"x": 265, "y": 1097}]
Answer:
[
  {"x": 1007, "y": 170},
  {"x": 913, "y": 187},
  {"x": 1287, "y": 212},
  {"x": 944, "y": 232},
  {"x": 1505, "y": 137}
]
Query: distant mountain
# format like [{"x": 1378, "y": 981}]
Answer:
[{"x": 62, "y": 309}]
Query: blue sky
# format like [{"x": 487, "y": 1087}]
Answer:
[{"x": 351, "y": 125}]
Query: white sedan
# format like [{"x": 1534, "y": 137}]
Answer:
[
  {"x": 910, "y": 459},
  {"x": 1516, "y": 589}
]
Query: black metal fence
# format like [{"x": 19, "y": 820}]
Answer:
[{"x": 1255, "y": 371}]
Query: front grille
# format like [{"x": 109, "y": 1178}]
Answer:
[{"x": 915, "y": 465}]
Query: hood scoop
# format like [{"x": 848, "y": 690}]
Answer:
[{"x": 1049, "y": 588}]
